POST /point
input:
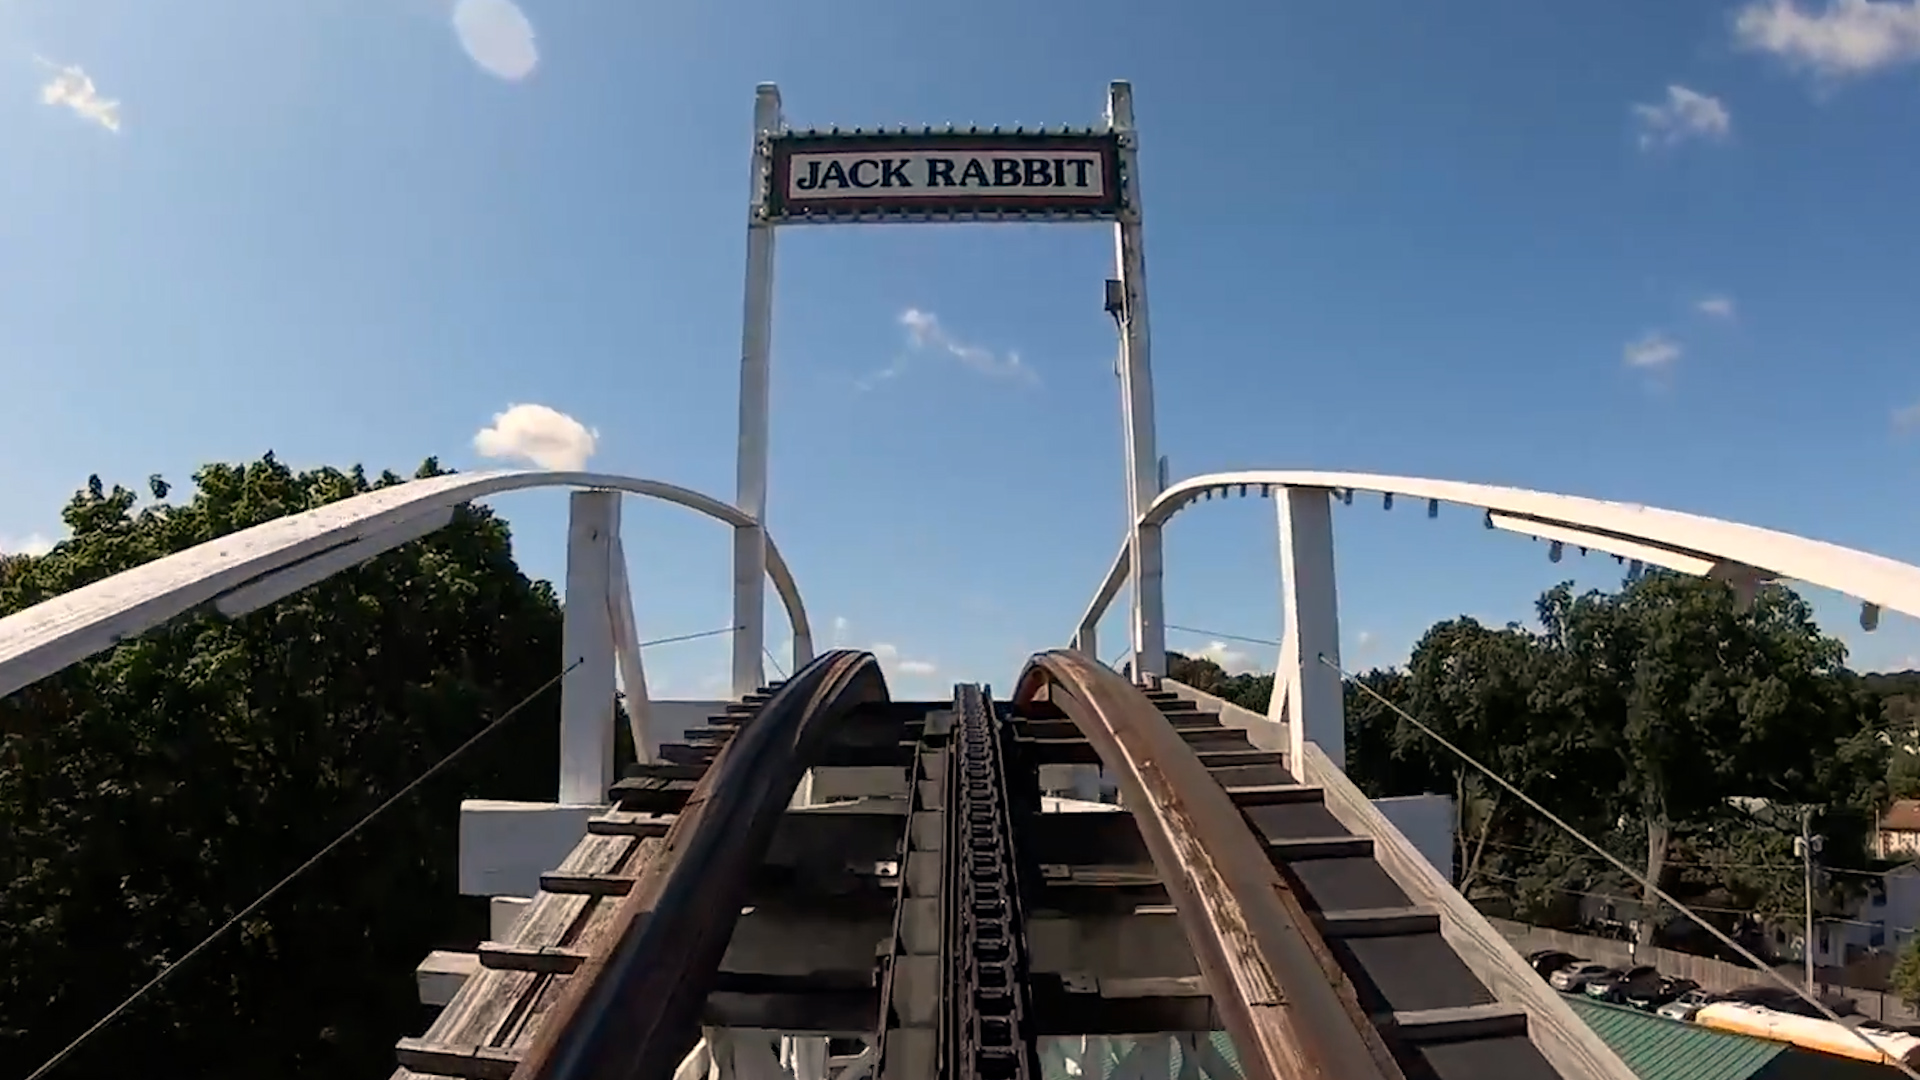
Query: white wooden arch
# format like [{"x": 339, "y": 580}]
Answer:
[
  {"x": 1686, "y": 542},
  {"x": 254, "y": 567},
  {"x": 1307, "y": 693}
]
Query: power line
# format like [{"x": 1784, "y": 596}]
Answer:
[
  {"x": 1617, "y": 898},
  {"x": 1680, "y": 864},
  {"x": 688, "y": 637},
  {"x": 55, "y": 1061},
  {"x": 776, "y": 664},
  {"x": 1223, "y": 636},
  {"x": 1650, "y": 888}
]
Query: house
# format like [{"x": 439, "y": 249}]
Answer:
[{"x": 1899, "y": 831}]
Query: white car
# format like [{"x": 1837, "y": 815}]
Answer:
[
  {"x": 1571, "y": 980},
  {"x": 1684, "y": 1006}
]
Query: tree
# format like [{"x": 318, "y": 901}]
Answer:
[
  {"x": 1698, "y": 701},
  {"x": 150, "y": 792},
  {"x": 1906, "y": 972}
]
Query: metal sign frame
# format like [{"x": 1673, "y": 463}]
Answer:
[
  {"x": 782, "y": 207},
  {"x": 774, "y": 204}
]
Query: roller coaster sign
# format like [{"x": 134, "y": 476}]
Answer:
[{"x": 944, "y": 176}]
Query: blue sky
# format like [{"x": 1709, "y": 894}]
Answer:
[{"x": 1636, "y": 250}]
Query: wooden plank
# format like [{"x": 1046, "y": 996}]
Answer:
[
  {"x": 1302, "y": 848},
  {"x": 630, "y": 823},
  {"x": 1272, "y": 794},
  {"x": 1493, "y": 1020},
  {"x": 476, "y": 1063},
  {"x": 545, "y": 960},
  {"x": 472, "y": 1036},
  {"x": 1379, "y": 922},
  {"x": 587, "y": 937},
  {"x": 1567, "y": 1043}
]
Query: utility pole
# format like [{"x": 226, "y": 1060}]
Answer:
[{"x": 1806, "y": 845}]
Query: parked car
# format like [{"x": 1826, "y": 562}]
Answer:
[
  {"x": 1657, "y": 993},
  {"x": 1547, "y": 961},
  {"x": 1776, "y": 998},
  {"x": 1614, "y": 988},
  {"x": 1574, "y": 979},
  {"x": 1684, "y": 1006}
]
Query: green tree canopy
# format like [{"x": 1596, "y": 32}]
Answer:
[
  {"x": 150, "y": 792},
  {"x": 1653, "y": 719}
]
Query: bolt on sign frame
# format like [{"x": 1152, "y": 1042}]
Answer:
[{"x": 837, "y": 177}]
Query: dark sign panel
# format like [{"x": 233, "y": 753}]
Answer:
[{"x": 918, "y": 177}]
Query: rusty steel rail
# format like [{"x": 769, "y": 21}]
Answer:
[
  {"x": 1292, "y": 1012},
  {"x": 633, "y": 1010}
]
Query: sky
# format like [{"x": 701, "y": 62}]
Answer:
[{"x": 1639, "y": 250}]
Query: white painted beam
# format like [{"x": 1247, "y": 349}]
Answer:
[
  {"x": 49, "y": 636},
  {"x": 586, "y": 694},
  {"x": 1315, "y": 705},
  {"x": 281, "y": 584}
]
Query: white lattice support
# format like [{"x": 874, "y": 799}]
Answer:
[
  {"x": 804, "y": 1056},
  {"x": 697, "y": 1065},
  {"x": 1314, "y": 705},
  {"x": 1285, "y": 661},
  {"x": 586, "y": 694},
  {"x": 1149, "y": 629},
  {"x": 859, "y": 1066},
  {"x": 756, "y": 347},
  {"x": 626, "y": 653},
  {"x": 1201, "y": 1060},
  {"x": 743, "y": 1054},
  {"x": 1074, "y": 1056},
  {"x": 1149, "y": 1058}
]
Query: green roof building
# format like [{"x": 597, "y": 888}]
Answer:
[{"x": 1656, "y": 1048}]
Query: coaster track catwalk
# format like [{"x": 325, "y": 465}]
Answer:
[{"x": 1316, "y": 964}]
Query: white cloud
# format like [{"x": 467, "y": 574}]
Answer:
[
  {"x": 1363, "y": 639},
  {"x": 1846, "y": 37},
  {"x": 1654, "y": 352},
  {"x": 1686, "y": 114},
  {"x": 73, "y": 88},
  {"x": 30, "y": 544},
  {"x": 1908, "y": 417},
  {"x": 546, "y": 437},
  {"x": 1720, "y": 307},
  {"x": 496, "y": 36},
  {"x": 925, "y": 334},
  {"x": 889, "y": 656},
  {"x": 840, "y": 625},
  {"x": 1231, "y": 659}
]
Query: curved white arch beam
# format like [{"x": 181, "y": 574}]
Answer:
[
  {"x": 1686, "y": 542},
  {"x": 244, "y": 570}
]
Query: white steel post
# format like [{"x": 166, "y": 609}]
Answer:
[
  {"x": 750, "y": 544},
  {"x": 586, "y": 634},
  {"x": 1136, "y": 378},
  {"x": 626, "y": 652},
  {"x": 1312, "y": 610}
]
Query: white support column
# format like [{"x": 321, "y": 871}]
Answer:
[
  {"x": 626, "y": 651},
  {"x": 756, "y": 340},
  {"x": 1087, "y": 642},
  {"x": 586, "y": 694},
  {"x": 1149, "y": 630},
  {"x": 1312, "y": 610}
]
